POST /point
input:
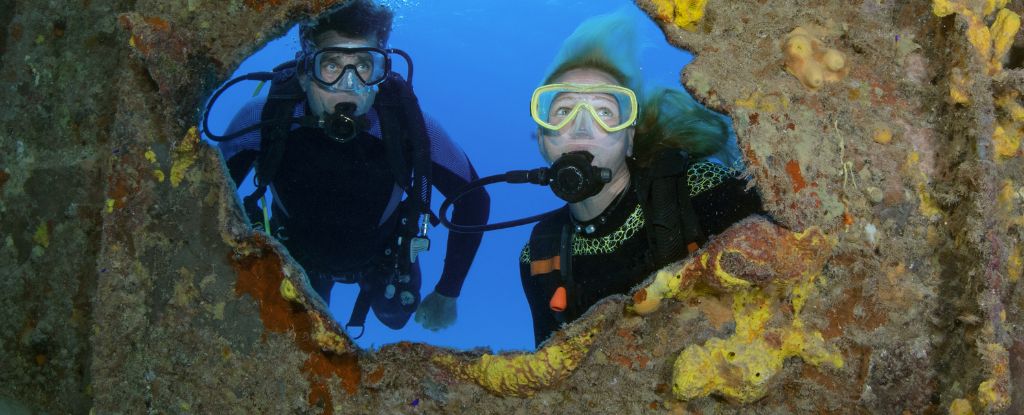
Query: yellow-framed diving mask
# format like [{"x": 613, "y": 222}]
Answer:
[{"x": 554, "y": 106}]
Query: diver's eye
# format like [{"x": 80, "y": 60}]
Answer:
[
  {"x": 363, "y": 67},
  {"x": 331, "y": 67},
  {"x": 562, "y": 111},
  {"x": 605, "y": 113}
]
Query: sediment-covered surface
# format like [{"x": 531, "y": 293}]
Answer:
[{"x": 889, "y": 152}]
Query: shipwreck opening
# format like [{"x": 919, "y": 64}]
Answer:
[
  {"x": 871, "y": 335},
  {"x": 491, "y": 310}
]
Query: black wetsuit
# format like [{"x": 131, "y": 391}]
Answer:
[
  {"x": 615, "y": 256},
  {"x": 338, "y": 205}
]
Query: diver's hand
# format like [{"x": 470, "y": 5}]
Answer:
[{"x": 436, "y": 312}]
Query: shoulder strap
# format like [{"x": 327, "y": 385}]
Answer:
[
  {"x": 280, "y": 105},
  {"x": 545, "y": 245},
  {"x": 551, "y": 258},
  {"x": 672, "y": 224},
  {"x": 395, "y": 138},
  {"x": 285, "y": 92},
  {"x": 404, "y": 132}
]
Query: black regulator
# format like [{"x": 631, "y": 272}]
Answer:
[
  {"x": 572, "y": 178},
  {"x": 341, "y": 126}
]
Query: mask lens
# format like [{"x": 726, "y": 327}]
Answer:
[
  {"x": 561, "y": 104},
  {"x": 554, "y": 106},
  {"x": 330, "y": 65}
]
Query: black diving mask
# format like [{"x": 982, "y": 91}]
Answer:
[{"x": 370, "y": 67}]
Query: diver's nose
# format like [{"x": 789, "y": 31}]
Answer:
[
  {"x": 348, "y": 79},
  {"x": 583, "y": 125}
]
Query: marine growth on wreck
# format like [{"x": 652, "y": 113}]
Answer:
[{"x": 886, "y": 280}]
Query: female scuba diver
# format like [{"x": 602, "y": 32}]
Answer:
[{"x": 668, "y": 167}]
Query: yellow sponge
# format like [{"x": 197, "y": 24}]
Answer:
[{"x": 811, "y": 62}]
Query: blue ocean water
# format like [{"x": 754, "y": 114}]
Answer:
[{"x": 476, "y": 64}]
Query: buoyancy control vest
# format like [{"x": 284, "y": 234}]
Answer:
[
  {"x": 672, "y": 225},
  {"x": 406, "y": 159},
  {"x": 403, "y": 132}
]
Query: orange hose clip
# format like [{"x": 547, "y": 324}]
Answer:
[{"x": 558, "y": 300}]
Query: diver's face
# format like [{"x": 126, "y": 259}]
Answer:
[
  {"x": 323, "y": 101},
  {"x": 584, "y": 134}
]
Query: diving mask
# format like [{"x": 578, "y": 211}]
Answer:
[
  {"x": 352, "y": 69},
  {"x": 613, "y": 107}
]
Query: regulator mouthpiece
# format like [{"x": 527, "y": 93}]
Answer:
[
  {"x": 341, "y": 125},
  {"x": 574, "y": 179}
]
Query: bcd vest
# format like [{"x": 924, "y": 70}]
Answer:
[
  {"x": 672, "y": 226},
  {"x": 401, "y": 156}
]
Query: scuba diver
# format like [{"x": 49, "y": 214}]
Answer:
[
  {"x": 338, "y": 140},
  {"x": 663, "y": 176}
]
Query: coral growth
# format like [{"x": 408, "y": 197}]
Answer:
[
  {"x": 751, "y": 253},
  {"x": 682, "y": 13},
  {"x": 961, "y": 407},
  {"x": 994, "y": 392},
  {"x": 764, "y": 103},
  {"x": 990, "y": 42},
  {"x": 882, "y": 135},
  {"x": 763, "y": 270},
  {"x": 927, "y": 205},
  {"x": 741, "y": 366},
  {"x": 184, "y": 156},
  {"x": 284, "y": 309},
  {"x": 1009, "y": 125},
  {"x": 811, "y": 62},
  {"x": 523, "y": 374}
]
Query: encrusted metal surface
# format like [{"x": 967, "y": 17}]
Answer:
[{"x": 130, "y": 284}]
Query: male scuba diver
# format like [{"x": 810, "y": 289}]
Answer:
[{"x": 338, "y": 141}]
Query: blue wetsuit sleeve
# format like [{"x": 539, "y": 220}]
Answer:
[
  {"x": 451, "y": 171},
  {"x": 240, "y": 153}
]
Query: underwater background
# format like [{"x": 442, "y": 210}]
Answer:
[{"x": 475, "y": 66}]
